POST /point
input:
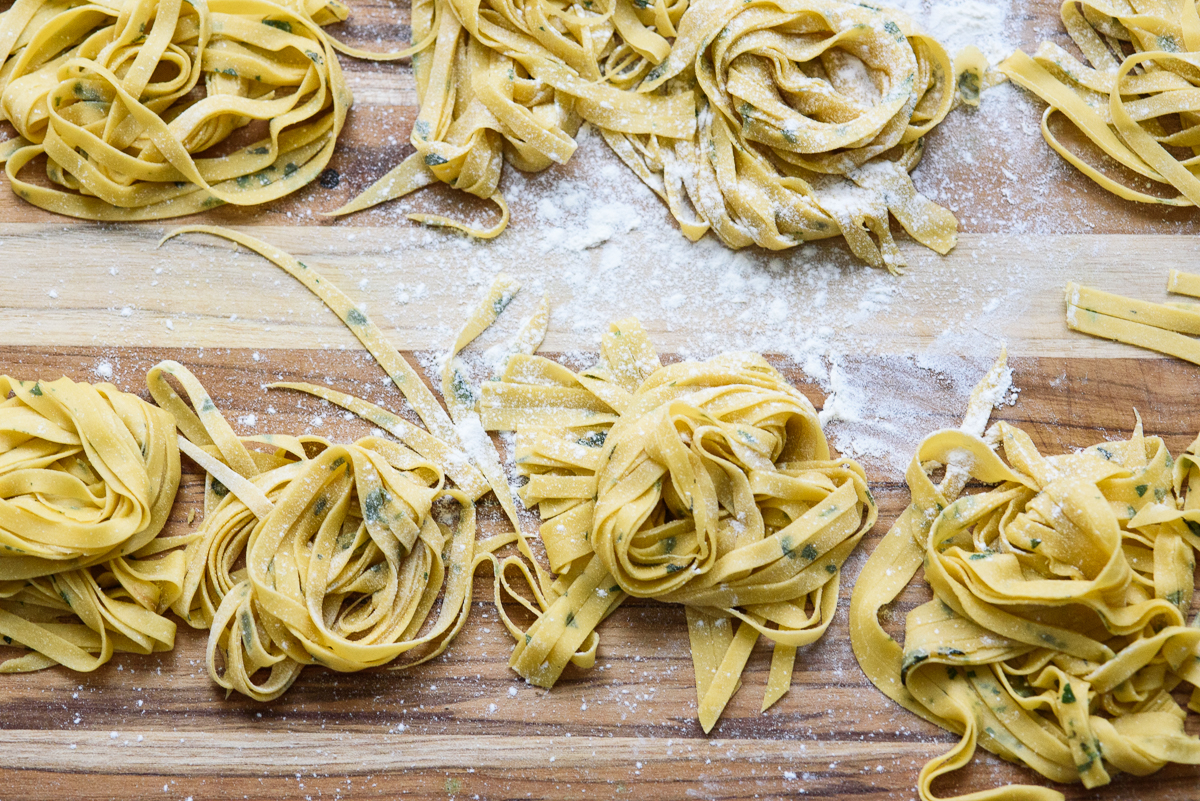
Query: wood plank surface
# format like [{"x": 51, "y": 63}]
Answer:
[{"x": 81, "y": 299}]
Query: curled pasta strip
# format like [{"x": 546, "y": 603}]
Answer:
[
  {"x": 87, "y": 478},
  {"x": 772, "y": 122},
  {"x": 705, "y": 484},
  {"x": 318, "y": 553},
  {"x": 1137, "y": 107},
  {"x": 1057, "y": 629},
  {"x": 132, "y": 100}
]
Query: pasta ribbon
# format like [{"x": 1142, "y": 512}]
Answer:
[
  {"x": 406, "y": 379},
  {"x": 705, "y": 484},
  {"x": 87, "y": 478},
  {"x": 318, "y": 553},
  {"x": 1137, "y": 107},
  {"x": 132, "y": 102},
  {"x": 1168, "y": 328},
  {"x": 1057, "y": 629},
  {"x": 770, "y": 122}
]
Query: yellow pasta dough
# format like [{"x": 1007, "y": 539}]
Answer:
[
  {"x": 704, "y": 484},
  {"x": 1057, "y": 630},
  {"x": 771, "y": 122},
  {"x": 87, "y": 478},
  {"x": 131, "y": 100},
  {"x": 1133, "y": 106}
]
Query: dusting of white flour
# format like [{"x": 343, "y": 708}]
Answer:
[
  {"x": 615, "y": 252},
  {"x": 987, "y": 24}
]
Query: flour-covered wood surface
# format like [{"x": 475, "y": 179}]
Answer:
[{"x": 897, "y": 355}]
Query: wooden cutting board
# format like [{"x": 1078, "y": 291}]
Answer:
[{"x": 81, "y": 299}]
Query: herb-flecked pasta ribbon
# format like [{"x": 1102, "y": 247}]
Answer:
[
  {"x": 87, "y": 478},
  {"x": 250, "y": 634},
  {"x": 705, "y": 484},
  {"x": 1169, "y": 328},
  {"x": 458, "y": 456},
  {"x": 123, "y": 97},
  {"x": 1057, "y": 630}
]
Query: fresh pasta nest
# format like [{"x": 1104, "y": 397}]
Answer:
[
  {"x": 348, "y": 548},
  {"x": 1134, "y": 99},
  {"x": 131, "y": 101},
  {"x": 771, "y": 122},
  {"x": 809, "y": 117},
  {"x": 1058, "y": 627},
  {"x": 317, "y": 553},
  {"x": 705, "y": 484},
  {"x": 87, "y": 478}
]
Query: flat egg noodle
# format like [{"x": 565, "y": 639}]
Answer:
[
  {"x": 1168, "y": 328},
  {"x": 398, "y": 369}
]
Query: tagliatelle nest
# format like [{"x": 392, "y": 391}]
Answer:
[
  {"x": 87, "y": 478},
  {"x": 1058, "y": 628},
  {"x": 124, "y": 98},
  {"x": 705, "y": 484}
]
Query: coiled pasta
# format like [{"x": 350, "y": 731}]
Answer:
[
  {"x": 1057, "y": 630},
  {"x": 87, "y": 478},
  {"x": 771, "y": 122},
  {"x": 704, "y": 484},
  {"x": 132, "y": 100}
]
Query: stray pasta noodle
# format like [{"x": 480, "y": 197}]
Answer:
[
  {"x": 1058, "y": 626},
  {"x": 1168, "y": 328}
]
